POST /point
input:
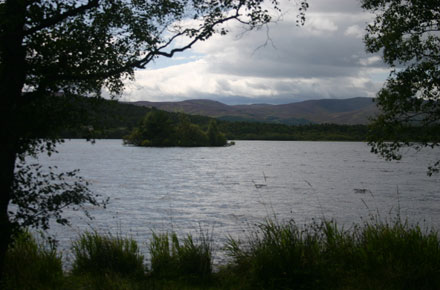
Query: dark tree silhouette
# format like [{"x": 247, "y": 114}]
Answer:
[{"x": 406, "y": 32}]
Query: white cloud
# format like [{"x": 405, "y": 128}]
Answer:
[
  {"x": 354, "y": 30},
  {"x": 370, "y": 60},
  {"x": 324, "y": 59},
  {"x": 320, "y": 24}
]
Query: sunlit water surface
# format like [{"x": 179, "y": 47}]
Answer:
[{"x": 226, "y": 190}]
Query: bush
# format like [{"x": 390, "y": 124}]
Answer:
[
  {"x": 32, "y": 265},
  {"x": 105, "y": 254}
]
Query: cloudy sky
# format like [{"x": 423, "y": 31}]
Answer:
[{"x": 325, "y": 58}]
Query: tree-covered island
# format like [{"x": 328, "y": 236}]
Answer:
[{"x": 159, "y": 129}]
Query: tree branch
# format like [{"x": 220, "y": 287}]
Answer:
[
  {"x": 205, "y": 31},
  {"x": 141, "y": 63},
  {"x": 62, "y": 16}
]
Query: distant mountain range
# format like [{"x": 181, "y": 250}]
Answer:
[{"x": 337, "y": 111}]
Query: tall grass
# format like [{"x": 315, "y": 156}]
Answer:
[
  {"x": 278, "y": 256},
  {"x": 321, "y": 255},
  {"x": 397, "y": 256},
  {"x": 32, "y": 264},
  {"x": 187, "y": 260},
  {"x": 374, "y": 255},
  {"x": 106, "y": 254}
]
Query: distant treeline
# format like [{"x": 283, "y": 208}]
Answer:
[
  {"x": 114, "y": 120},
  {"x": 311, "y": 132}
]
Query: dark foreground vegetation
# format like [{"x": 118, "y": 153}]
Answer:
[{"x": 321, "y": 255}]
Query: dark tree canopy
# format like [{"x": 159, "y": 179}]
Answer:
[
  {"x": 156, "y": 129},
  {"x": 215, "y": 137},
  {"x": 160, "y": 129},
  {"x": 407, "y": 33}
]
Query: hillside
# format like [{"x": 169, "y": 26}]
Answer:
[{"x": 337, "y": 111}]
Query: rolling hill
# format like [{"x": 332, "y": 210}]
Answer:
[{"x": 336, "y": 111}]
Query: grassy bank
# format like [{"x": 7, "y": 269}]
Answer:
[{"x": 320, "y": 255}]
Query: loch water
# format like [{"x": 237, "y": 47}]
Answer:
[{"x": 226, "y": 190}]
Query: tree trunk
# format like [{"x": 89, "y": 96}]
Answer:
[
  {"x": 12, "y": 76},
  {"x": 7, "y": 163}
]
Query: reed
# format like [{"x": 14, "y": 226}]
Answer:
[
  {"x": 321, "y": 255},
  {"x": 374, "y": 254},
  {"x": 107, "y": 255},
  {"x": 188, "y": 260}
]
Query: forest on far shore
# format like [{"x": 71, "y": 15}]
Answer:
[{"x": 115, "y": 120}]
